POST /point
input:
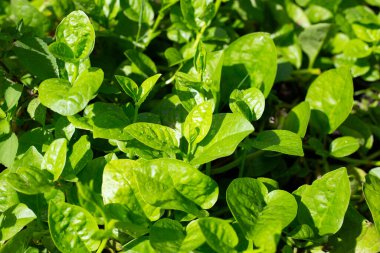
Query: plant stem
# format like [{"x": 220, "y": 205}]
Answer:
[
  {"x": 161, "y": 15},
  {"x": 242, "y": 164},
  {"x": 136, "y": 113},
  {"x": 208, "y": 169},
  {"x": 140, "y": 21},
  {"x": 373, "y": 155},
  {"x": 199, "y": 36},
  {"x": 102, "y": 246},
  {"x": 236, "y": 163}
]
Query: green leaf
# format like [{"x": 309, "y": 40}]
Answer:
[
  {"x": 75, "y": 38},
  {"x": 261, "y": 215},
  {"x": 171, "y": 111},
  {"x": 212, "y": 73},
  {"x": 344, "y": 146},
  {"x": 197, "y": 14},
  {"x": 189, "y": 90},
  {"x": 357, "y": 48},
  {"x": 367, "y": 32},
  {"x": 358, "y": 67},
  {"x": 141, "y": 244},
  {"x": 373, "y": 2},
  {"x": 120, "y": 187},
  {"x": 63, "y": 128},
  {"x": 312, "y": 39},
  {"x": 137, "y": 8},
  {"x": 108, "y": 120},
  {"x": 37, "y": 111},
  {"x": 5, "y": 128},
  {"x": 129, "y": 87},
  {"x": 250, "y": 103},
  {"x": 194, "y": 237},
  {"x": 324, "y": 203},
  {"x": 253, "y": 56},
  {"x": 371, "y": 190},
  {"x": 198, "y": 122},
  {"x": 146, "y": 87},
  {"x": 281, "y": 141},
  {"x": 18, "y": 243},
  {"x": 298, "y": 119},
  {"x": 29, "y": 180},
  {"x": 226, "y": 132},
  {"x": 77, "y": 157},
  {"x": 59, "y": 96},
  {"x": 8, "y": 196},
  {"x": 330, "y": 104},
  {"x": 14, "y": 219},
  {"x": 38, "y": 137},
  {"x": 12, "y": 93},
  {"x": 356, "y": 235},
  {"x": 177, "y": 185},
  {"x": 154, "y": 135},
  {"x": 62, "y": 51},
  {"x": 219, "y": 234},
  {"x": 55, "y": 158},
  {"x": 167, "y": 235},
  {"x": 173, "y": 56},
  {"x": 31, "y": 158},
  {"x": 35, "y": 56},
  {"x": 71, "y": 228},
  {"x": 33, "y": 20},
  {"x": 143, "y": 63},
  {"x": 8, "y": 149}
]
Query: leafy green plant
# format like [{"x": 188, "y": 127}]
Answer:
[{"x": 189, "y": 126}]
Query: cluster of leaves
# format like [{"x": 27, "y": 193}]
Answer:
[{"x": 206, "y": 126}]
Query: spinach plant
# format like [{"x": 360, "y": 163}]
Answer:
[{"x": 189, "y": 126}]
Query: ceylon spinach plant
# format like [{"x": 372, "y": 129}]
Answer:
[{"x": 202, "y": 128}]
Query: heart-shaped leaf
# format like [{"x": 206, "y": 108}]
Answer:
[{"x": 66, "y": 99}]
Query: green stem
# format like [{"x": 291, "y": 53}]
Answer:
[
  {"x": 136, "y": 113},
  {"x": 140, "y": 21},
  {"x": 102, "y": 246},
  {"x": 356, "y": 161},
  {"x": 236, "y": 163},
  {"x": 242, "y": 165},
  {"x": 161, "y": 15},
  {"x": 373, "y": 155},
  {"x": 199, "y": 36},
  {"x": 208, "y": 169}
]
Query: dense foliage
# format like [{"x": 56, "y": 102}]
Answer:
[{"x": 189, "y": 126}]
